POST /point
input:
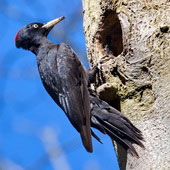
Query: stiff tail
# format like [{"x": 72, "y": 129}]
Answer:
[
  {"x": 86, "y": 140},
  {"x": 110, "y": 121}
]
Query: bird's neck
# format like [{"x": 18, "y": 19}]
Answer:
[
  {"x": 42, "y": 51},
  {"x": 43, "y": 42}
]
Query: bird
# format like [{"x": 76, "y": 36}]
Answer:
[{"x": 67, "y": 82}]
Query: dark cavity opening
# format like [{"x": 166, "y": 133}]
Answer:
[
  {"x": 111, "y": 33},
  {"x": 110, "y": 96}
]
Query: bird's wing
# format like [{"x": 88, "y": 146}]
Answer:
[{"x": 73, "y": 93}]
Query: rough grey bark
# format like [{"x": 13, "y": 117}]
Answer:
[{"x": 132, "y": 37}]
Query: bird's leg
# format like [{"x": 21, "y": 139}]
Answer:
[
  {"x": 95, "y": 74},
  {"x": 92, "y": 74}
]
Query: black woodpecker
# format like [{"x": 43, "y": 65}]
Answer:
[{"x": 66, "y": 80}]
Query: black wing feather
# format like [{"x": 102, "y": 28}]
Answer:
[{"x": 70, "y": 90}]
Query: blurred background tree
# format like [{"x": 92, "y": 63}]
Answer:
[{"x": 34, "y": 132}]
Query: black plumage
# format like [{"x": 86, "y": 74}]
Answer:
[
  {"x": 66, "y": 81},
  {"x": 110, "y": 121}
]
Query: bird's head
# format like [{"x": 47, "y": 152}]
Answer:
[{"x": 31, "y": 35}]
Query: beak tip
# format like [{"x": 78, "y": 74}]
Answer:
[
  {"x": 63, "y": 17},
  {"x": 53, "y": 22}
]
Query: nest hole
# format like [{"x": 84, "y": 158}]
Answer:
[
  {"x": 109, "y": 94},
  {"x": 111, "y": 34}
]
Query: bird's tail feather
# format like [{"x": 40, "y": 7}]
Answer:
[
  {"x": 86, "y": 140},
  {"x": 111, "y": 122}
]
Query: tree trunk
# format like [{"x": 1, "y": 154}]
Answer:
[{"x": 132, "y": 38}]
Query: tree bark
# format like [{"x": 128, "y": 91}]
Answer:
[{"x": 132, "y": 38}]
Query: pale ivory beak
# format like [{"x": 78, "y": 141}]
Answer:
[{"x": 52, "y": 23}]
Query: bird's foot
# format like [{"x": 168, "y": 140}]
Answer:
[{"x": 95, "y": 74}]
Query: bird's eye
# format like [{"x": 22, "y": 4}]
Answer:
[{"x": 35, "y": 25}]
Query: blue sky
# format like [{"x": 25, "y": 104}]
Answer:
[{"x": 34, "y": 132}]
